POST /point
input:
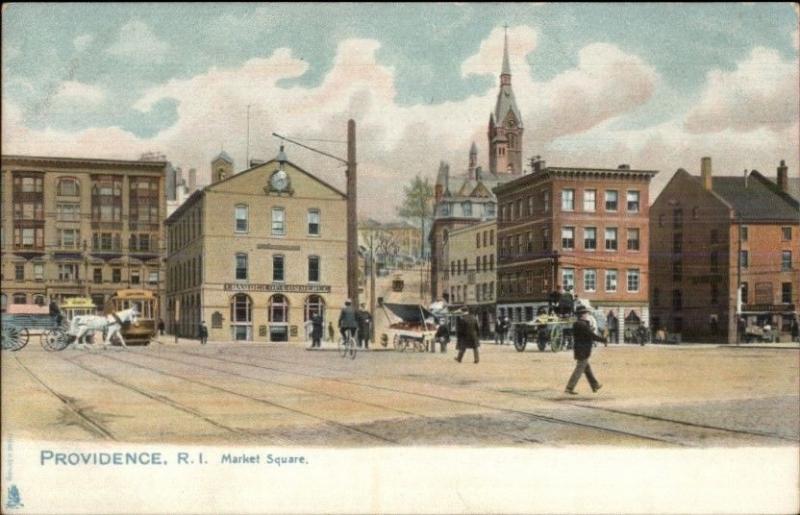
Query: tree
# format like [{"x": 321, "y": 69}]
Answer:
[{"x": 417, "y": 206}]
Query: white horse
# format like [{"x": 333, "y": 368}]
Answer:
[{"x": 82, "y": 325}]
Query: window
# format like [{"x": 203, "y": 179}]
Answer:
[
  {"x": 152, "y": 277},
  {"x": 478, "y": 240},
  {"x": 612, "y": 200},
  {"x": 278, "y": 221},
  {"x": 786, "y": 232},
  {"x": 68, "y": 238},
  {"x": 68, "y": 212},
  {"x": 545, "y": 239},
  {"x": 241, "y": 218},
  {"x": 677, "y": 243},
  {"x": 20, "y": 298},
  {"x": 477, "y": 263},
  {"x": 278, "y": 309},
  {"x": 135, "y": 277},
  {"x": 589, "y": 280},
  {"x": 277, "y": 268},
  {"x": 485, "y": 237},
  {"x": 567, "y": 237},
  {"x": 241, "y": 267},
  {"x": 568, "y": 277},
  {"x": 38, "y": 271},
  {"x": 313, "y": 222},
  {"x": 633, "y": 239},
  {"x": 786, "y": 293},
  {"x": 491, "y": 261},
  {"x": 611, "y": 280},
  {"x": 589, "y": 200},
  {"x": 677, "y": 300},
  {"x": 97, "y": 275},
  {"x": 677, "y": 219},
  {"x": 466, "y": 208},
  {"x": 714, "y": 294},
  {"x": 314, "y": 305},
  {"x": 241, "y": 309},
  {"x": 19, "y": 272},
  {"x": 786, "y": 260},
  {"x": 68, "y": 188},
  {"x": 611, "y": 238},
  {"x": 531, "y": 202},
  {"x": 68, "y": 272},
  {"x": 633, "y": 280},
  {"x": 633, "y": 201},
  {"x": 445, "y": 209},
  {"x": 744, "y": 293},
  {"x": 590, "y": 238},
  {"x": 313, "y": 269},
  {"x": 546, "y": 201},
  {"x": 743, "y": 232},
  {"x": 744, "y": 258},
  {"x": 568, "y": 200},
  {"x": 490, "y": 209},
  {"x": 116, "y": 275},
  {"x": 491, "y": 237}
]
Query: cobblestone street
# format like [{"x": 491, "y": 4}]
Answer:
[{"x": 268, "y": 394}]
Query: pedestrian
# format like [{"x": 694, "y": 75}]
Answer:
[
  {"x": 348, "y": 321},
  {"x": 795, "y": 328},
  {"x": 613, "y": 327},
  {"x": 443, "y": 336},
  {"x": 467, "y": 336},
  {"x": 203, "y": 332},
  {"x": 364, "y": 320},
  {"x": 331, "y": 332},
  {"x": 566, "y": 304},
  {"x": 161, "y": 327},
  {"x": 582, "y": 350},
  {"x": 316, "y": 330},
  {"x": 500, "y": 330},
  {"x": 55, "y": 312},
  {"x": 554, "y": 299}
]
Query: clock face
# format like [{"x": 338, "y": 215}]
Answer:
[{"x": 279, "y": 180}]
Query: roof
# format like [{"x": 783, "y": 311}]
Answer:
[
  {"x": 411, "y": 313},
  {"x": 794, "y": 187},
  {"x": 506, "y": 67},
  {"x": 67, "y": 161},
  {"x": 223, "y": 156},
  {"x": 756, "y": 198}
]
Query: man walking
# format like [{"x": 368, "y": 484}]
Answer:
[
  {"x": 467, "y": 336},
  {"x": 316, "y": 330},
  {"x": 203, "y": 332},
  {"x": 364, "y": 321},
  {"x": 500, "y": 331},
  {"x": 443, "y": 336},
  {"x": 583, "y": 336}
]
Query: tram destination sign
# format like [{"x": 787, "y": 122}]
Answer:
[{"x": 278, "y": 287}]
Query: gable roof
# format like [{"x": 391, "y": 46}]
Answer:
[
  {"x": 755, "y": 198},
  {"x": 260, "y": 165},
  {"x": 224, "y": 157}
]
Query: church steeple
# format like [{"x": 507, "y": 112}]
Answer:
[{"x": 505, "y": 138}]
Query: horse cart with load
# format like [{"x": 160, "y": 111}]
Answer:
[{"x": 410, "y": 326}]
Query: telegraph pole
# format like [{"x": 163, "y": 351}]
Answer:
[
  {"x": 352, "y": 229},
  {"x": 371, "y": 279}
]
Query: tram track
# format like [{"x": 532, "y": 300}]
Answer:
[
  {"x": 740, "y": 432},
  {"x": 527, "y": 414}
]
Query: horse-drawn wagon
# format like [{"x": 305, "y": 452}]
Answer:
[
  {"x": 553, "y": 330},
  {"x": 410, "y": 326},
  {"x": 21, "y": 321}
]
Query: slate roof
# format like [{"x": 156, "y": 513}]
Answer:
[
  {"x": 794, "y": 188},
  {"x": 760, "y": 199}
]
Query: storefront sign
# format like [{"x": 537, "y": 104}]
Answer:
[
  {"x": 767, "y": 308},
  {"x": 270, "y": 246},
  {"x": 278, "y": 287}
]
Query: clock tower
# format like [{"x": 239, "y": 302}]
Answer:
[{"x": 505, "y": 126}]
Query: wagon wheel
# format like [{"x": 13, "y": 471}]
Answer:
[
  {"x": 541, "y": 338},
  {"x": 10, "y": 337},
  {"x": 56, "y": 340},
  {"x": 521, "y": 340},
  {"x": 556, "y": 338}
]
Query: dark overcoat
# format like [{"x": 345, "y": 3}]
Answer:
[
  {"x": 583, "y": 335},
  {"x": 347, "y": 318},
  {"x": 203, "y": 332},
  {"x": 467, "y": 333},
  {"x": 316, "y": 327}
]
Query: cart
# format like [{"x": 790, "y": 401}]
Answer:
[
  {"x": 22, "y": 321},
  {"x": 410, "y": 327},
  {"x": 545, "y": 330}
]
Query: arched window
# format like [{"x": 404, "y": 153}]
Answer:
[
  {"x": 314, "y": 305},
  {"x": 278, "y": 309},
  {"x": 69, "y": 187},
  {"x": 512, "y": 141},
  {"x": 38, "y": 299},
  {"x": 20, "y": 298},
  {"x": 241, "y": 309}
]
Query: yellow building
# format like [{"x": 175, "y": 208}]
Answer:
[
  {"x": 256, "y": 253},
  {"x": 80, "y": 227}
]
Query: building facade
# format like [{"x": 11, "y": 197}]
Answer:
[
  {"x": 586, "y": 228},
  {"x": 710, "y": 234},
  {"x": 255, "y": 254},
  {"x": 471, "y": 255},
  {"x": 394, "y": 243}
]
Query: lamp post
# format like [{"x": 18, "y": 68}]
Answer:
[{"x": 352, "y": 234}]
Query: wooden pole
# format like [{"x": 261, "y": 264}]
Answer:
[{"x": 352, "y": 234}]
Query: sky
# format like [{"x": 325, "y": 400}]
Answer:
[{"x": 655, "y": 86}]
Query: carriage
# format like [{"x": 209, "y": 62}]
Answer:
[
  {"x": 552, "y": 330},
  {"x": 410, "y": 327},
  {"x": 22, "y": 321}
]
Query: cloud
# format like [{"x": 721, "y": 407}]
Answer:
[
  {"x": 796, "y": 39},
  {"x": 761, "y": 92},
  {"x": 522, "y": 41},
  {"x": 72, "y": 92},
  {"x": 137, "y": 41},
  {"x": 82, "y": 42}
]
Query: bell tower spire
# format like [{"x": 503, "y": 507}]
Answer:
[{"x": 505, "y": 139}]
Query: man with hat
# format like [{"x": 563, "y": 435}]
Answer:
[
  {"x": 348, "y": 321},
  {"x": 364, "y": 321},
  {"x": 467, "y": 335},
  {"x": 583, "y": 336}
]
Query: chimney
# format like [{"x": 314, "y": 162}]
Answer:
[
  {"x": 705, "y": 172},
  {"x": 624, "y": 167},
  {"x": 192, "y": 179},
  {"x": 783, "y": 176}
]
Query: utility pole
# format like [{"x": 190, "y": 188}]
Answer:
[
  {"x": 738, "y": 281},
  {"x": 371, "y": 280},
  {"x": 247, "y": 152}
]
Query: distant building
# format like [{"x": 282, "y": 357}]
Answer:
[
  {"x": 394, "y": 243},
  {"x": 586, "y": 228},
  {"x": 469, "y": 199},
  {"x": 80, "y": 227},
  {"x": 471, "y": 253},
  {"x": 709, "y": 234},
  {"x": 257, "y": 253}
]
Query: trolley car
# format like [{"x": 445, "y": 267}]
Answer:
[{"x": 146, "y": 304}]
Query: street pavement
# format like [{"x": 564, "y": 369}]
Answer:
[{"x": 286, "y": 394}]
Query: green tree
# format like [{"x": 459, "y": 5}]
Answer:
[{"x": 417, "y": 206}]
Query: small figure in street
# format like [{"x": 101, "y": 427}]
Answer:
[
  {"x": 331, "y": 332},
  {"x": 316, "y": 331},
  {"x": 348, "y": 320},
  {"x": 203, "y": 333},
  {"x": 160, "y": 327},
  {"x": 566, "y": 304},
  {"x": 554, "y": 299},
  {"x": 443, "y": 336},
  {"x": 613, "y": 327},
  {"x": 583, "y": 335},
  {"x": 364, "y": 321},
  {"x": 467, "y": 336},
  {"x": 500, "y": 330},
  {"x": 795, "y": 328},
  {"x": 55, "y": 312}
]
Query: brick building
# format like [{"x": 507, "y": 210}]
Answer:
[
  {"x": 580, "y": 227},
  {"x": 709, "y": 234},
  {"x": 80, "y": 227}
]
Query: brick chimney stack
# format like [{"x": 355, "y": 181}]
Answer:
[
  {"x": 783, "y": 176},
  {"x": 705, "y": 172}
]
